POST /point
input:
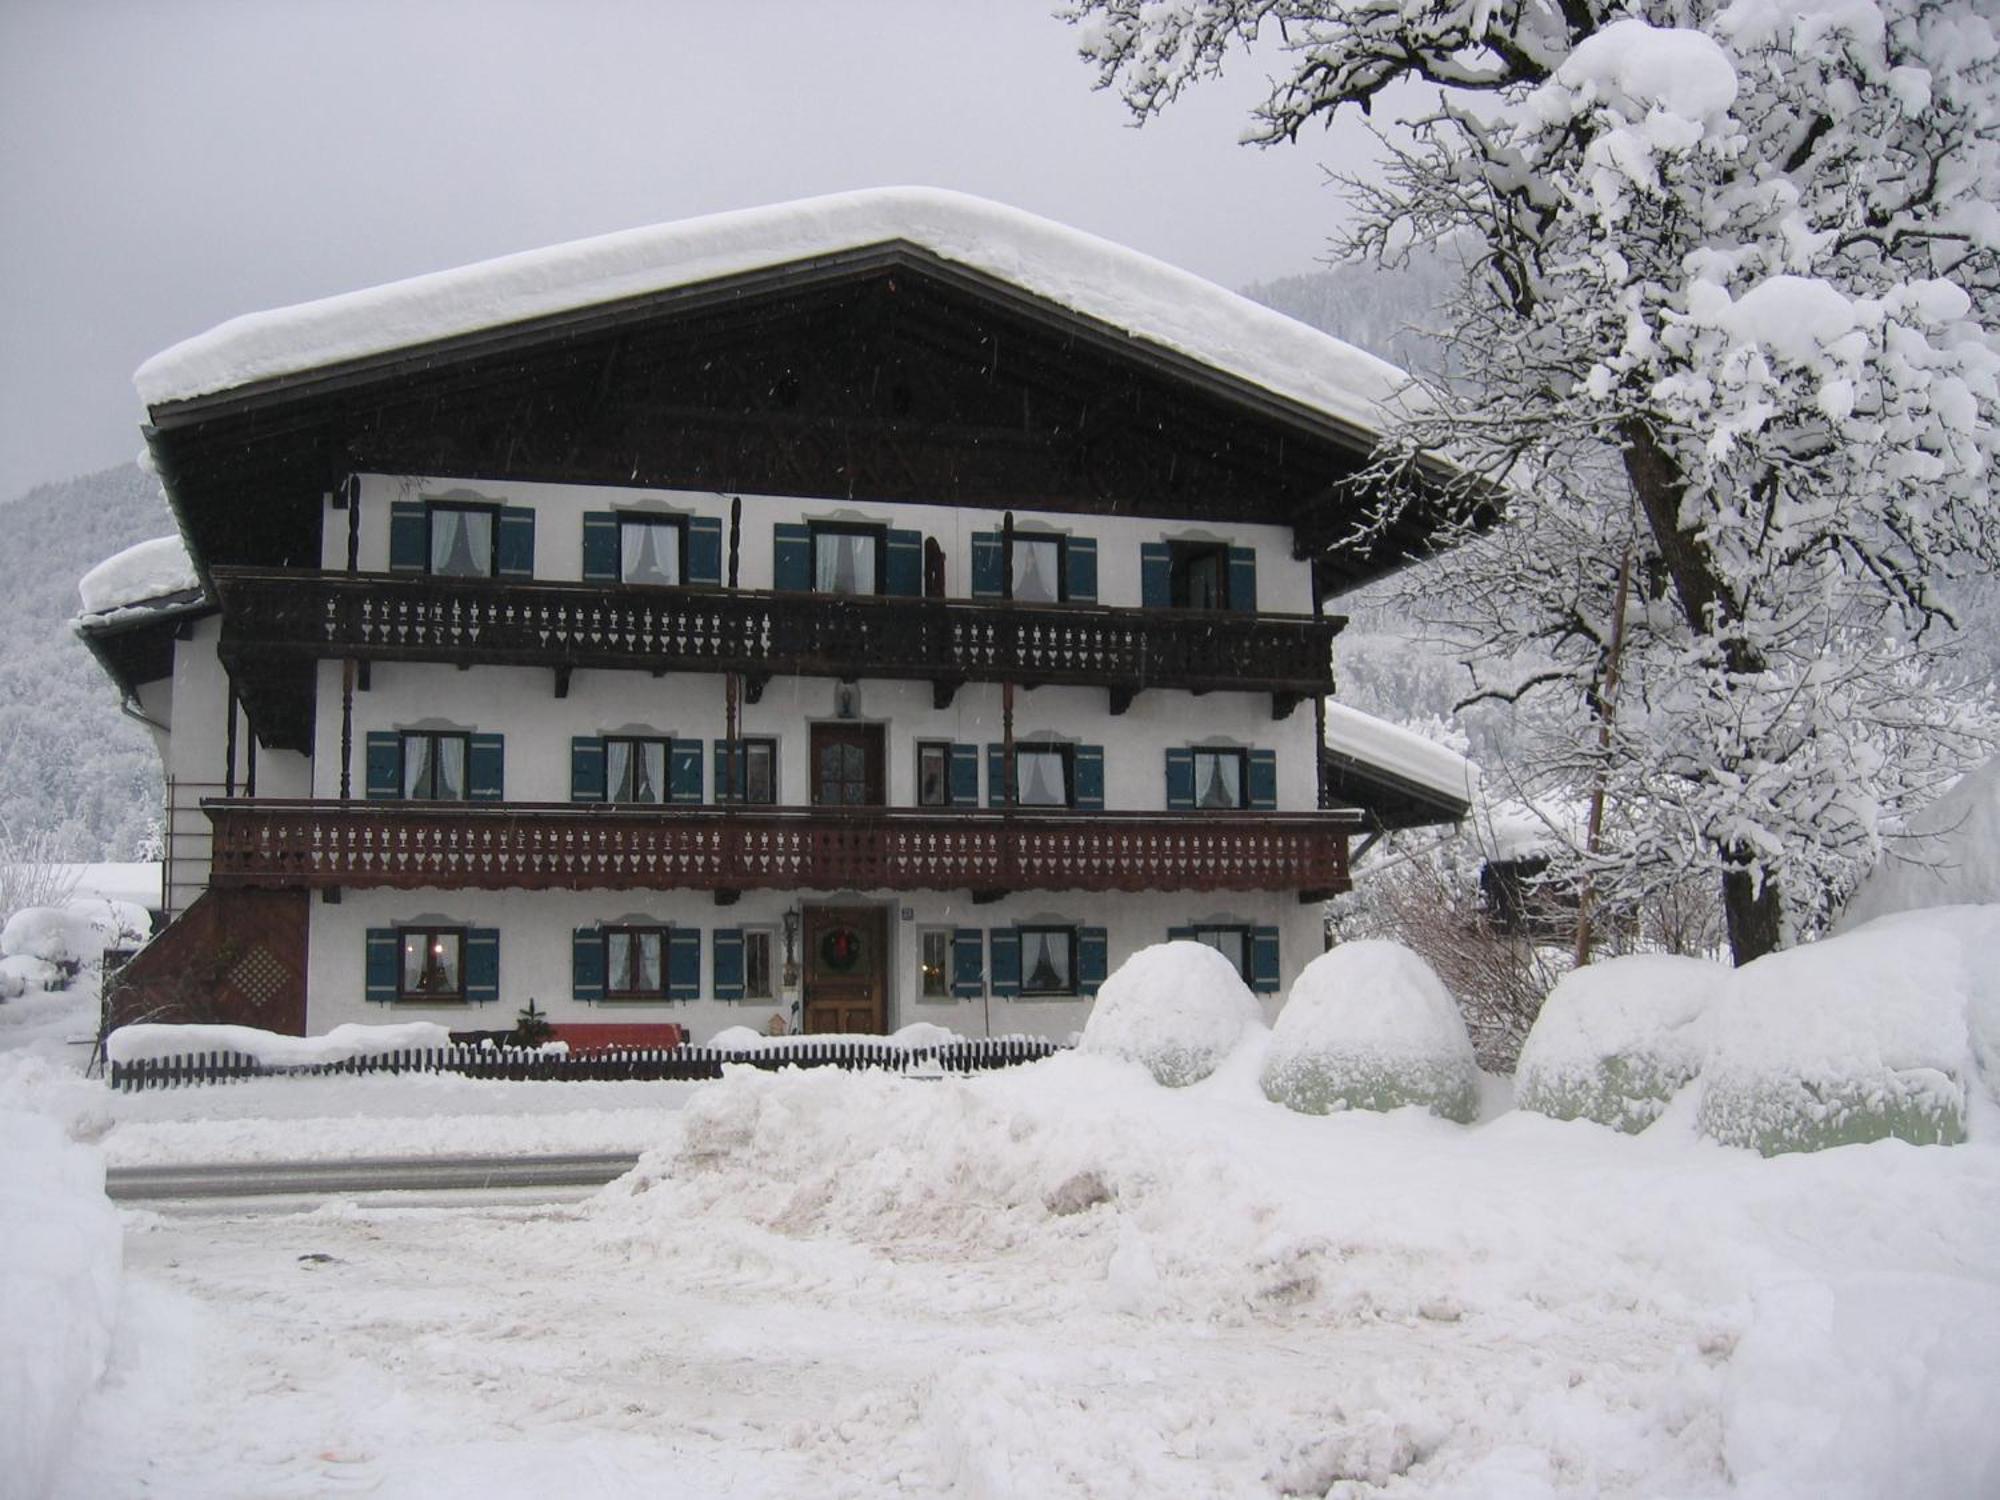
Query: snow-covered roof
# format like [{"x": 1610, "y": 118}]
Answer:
[
  {"x": 1093, "y": 277},
  {"x": 1401, "y": 752},
  {"x": 138, "y": 576}
]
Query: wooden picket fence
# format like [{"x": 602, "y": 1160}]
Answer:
[{"x": 610, "y": 1065}]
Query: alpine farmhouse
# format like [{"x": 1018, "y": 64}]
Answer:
[{"x": 883, "y": 608}]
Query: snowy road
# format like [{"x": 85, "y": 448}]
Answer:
[{"x": 157, "y": 1184}]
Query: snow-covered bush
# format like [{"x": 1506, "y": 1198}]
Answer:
[
  {"x": 1875, "y": 1033},
  {"x": 1179, "y": 1008},
  {"x": 1617, "y": 1039},
  {"x": 61, "y": 1258},
  {"x": 72, "y": 935},
  {"x": 1370, "y": 1026}
]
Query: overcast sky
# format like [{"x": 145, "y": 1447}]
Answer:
[{"x": 167, "y": 164}]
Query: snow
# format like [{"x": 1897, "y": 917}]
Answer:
[
  {"x": 1617, "y": 1039},
  {"x": 135, "y": 1043},
  {"x": 148, "y": 570},
  {"x": 1949, "y": 855},
  {"x": 1108, "y": 283},
  {"x": 917, "y": 1035},
  {"x": 1176, "y": 1008},
  {"x": 1637, "y": 68},
  {"x": 73, "y": 934},
  {"x": 132, "y": 882},
  {"x": 1883, "y": 1030},
  {"x": 60, "y": 1266},
  {"x": 1403, "y": 752},
  {"x": 1368, "y": 1025}
]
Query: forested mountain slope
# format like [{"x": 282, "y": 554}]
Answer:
[{"x": 71, "y": 766}]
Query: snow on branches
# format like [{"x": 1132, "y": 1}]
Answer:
[{"x": 1730, "y": 328}]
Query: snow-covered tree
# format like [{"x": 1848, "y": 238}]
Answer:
[{"x": 1748, "y": 252}]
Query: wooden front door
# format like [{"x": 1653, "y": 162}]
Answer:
[
  {"x": 847, "y": 765},
  {"x": 847, "y": 969}
]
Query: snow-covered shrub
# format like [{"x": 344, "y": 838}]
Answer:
[
  {"x": 1617, "y": 1039},
  {"x": 23, "y": 972},
  {"x": 61, "y": 1258},
  {"x": 1370, "y": 1026},
  {"x": 1875, "y": 1033},
  {"x": 1179, "y": 1008},
  {"x": 71, "y": 935}
]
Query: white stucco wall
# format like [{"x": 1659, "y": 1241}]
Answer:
[{"x": 535, "y": 950}]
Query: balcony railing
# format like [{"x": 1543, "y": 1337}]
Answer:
[
  {"x": 307, "y": 615},
  {"x": 560, "y": 846}
]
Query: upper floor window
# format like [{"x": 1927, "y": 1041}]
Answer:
[
  {"x": 750, "y": 775},
  {"x": 1038, "y": 569},
  {"x": 1042, "y": 776},
  {"x": 846, "y": 559},
  {"x": 434, "y": 765},
  {"x": 462, "y": 539},
  {"x": 635, "y": 770},
  {"x": 651, "y": 549},
  {"x": 1233, "y": 943},
  {"x": 1198, "y": 575},
  {"x": 1218, "y": 778}
]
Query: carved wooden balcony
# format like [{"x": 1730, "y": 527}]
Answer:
[
  {"x": 563, "y": 846},
  {"x": 306, "y": 615}
]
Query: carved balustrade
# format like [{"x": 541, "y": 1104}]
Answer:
[
  {"x": 306, "y": 614},
  {"x": 561, "y": 846}
]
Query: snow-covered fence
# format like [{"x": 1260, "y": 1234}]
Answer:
[{"x": 623, "y": 1064}]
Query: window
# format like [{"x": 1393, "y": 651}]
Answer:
[
  {"x": 934, "y": 964},
  {"x": 1198, "y": 575},
  {"x": 650, "y": 549},
  {"x": 934, "y": 774},
  {"x": 751, "y": 775},
  {"x": 433, "y": 964},
  {"x": 461, "y": 539},
  {"x": 1038, "y": 569},
  {"x": 1233, "y": 943},
  {"x": 757, "y": 964},
  {"x": 434, "y": 766},
  {"x": 636, "y": 770},
  {"x": 1048, "y": 961},
  {"x": 1218, "y": 778},
  {"x": 635, "y": 963},
  {"x": 1042, "y": 775},
  {"x": 846, "y": 559}
]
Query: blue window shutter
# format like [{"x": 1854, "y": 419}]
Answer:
[
  {"x": 684, "y": 770},
  {"x": 385, "y": 957},
  {"x": 791, "y": 556},
  {"x": 1004, "y": 944},
  {"x": 1180, "y": 935},
  {"x": 586, "y": 768},
  {"x": 586, "y": 964},
  {"x": 1156, "y": 590},
  {"x": 1263, "y": 780},
  {"x": 1081, "y": 564},
  {"x": 903, "y": 571},
  {"x": 600, "y": 546},
  {"x": 965, "y": 776},
  {"x": 684, "y": 963},
  {"x": 385, "y": 765},
  {"x": 517, "y": 542},
  {"x": 1180, "y": 780},
  {"x": 1093, "y": 959},
  {"x": 1264, "y": 960},
  {"x": 409, "y": 537},
  {"x": 1089, "y": 763},
  {"x": 968, "y": 962},
  {"x": 996, "y": 775},
  {"x": 485, "y": 768},
  {"x": 704, "y": 534},
  {"x": 988, "y": 566},
  {"x": 1243, "y": 579},
  {"x": 482, "y": 965},
  {"x": 727, "y": 786},
  {"x": 727, "y": 943}
]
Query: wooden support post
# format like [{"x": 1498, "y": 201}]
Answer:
[
  {"x": 353, "y": 486},
  {"x": 249, "y": 759},
  {"x": 229, "y": 747},
  {"x": 1007, "y": 740},
  {"x": 346, "y": 729}
]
